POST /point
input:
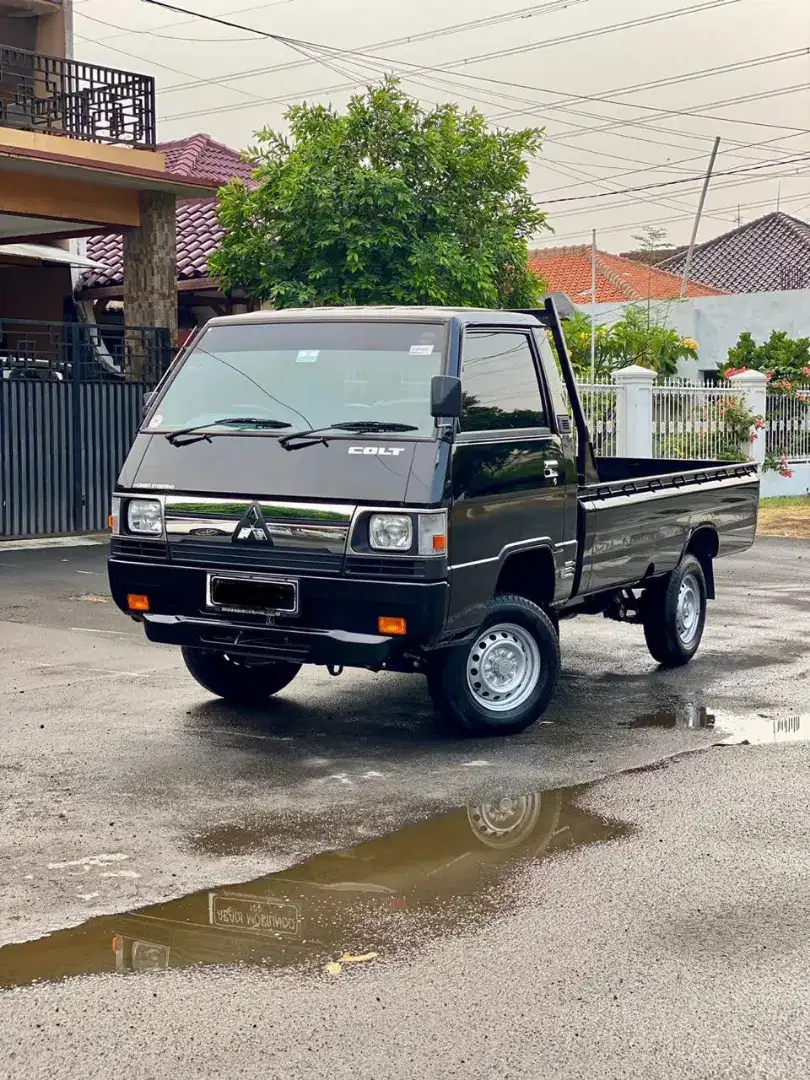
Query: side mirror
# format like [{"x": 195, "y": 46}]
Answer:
[
  {"x": 445, "y": 396},
  {"x": 148, "y": 398}
]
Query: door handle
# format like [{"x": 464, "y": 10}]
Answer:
[{"x": 552, "y": 469}]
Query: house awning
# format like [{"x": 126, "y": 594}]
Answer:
[{"x": 47, "y": 253}]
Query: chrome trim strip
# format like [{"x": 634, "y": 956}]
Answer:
[
  {"x": 692, "y": 487},
  {"x": 187, "y": 506},
  {"x": 529, "y": 543}
]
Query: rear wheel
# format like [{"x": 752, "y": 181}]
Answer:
[
  {"x": 500, "y": 682},
  {"x": 674, "y": 613},
  {"x": 237, "y": 680}
]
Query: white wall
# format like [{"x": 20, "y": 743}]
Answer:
[
  {"x": 799, "y": 484},
  {"x": 716, "y": 322}
]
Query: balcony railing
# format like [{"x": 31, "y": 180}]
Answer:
[
  {"x": 83, "y": 352},
  {"x": 81, "y": 101}
]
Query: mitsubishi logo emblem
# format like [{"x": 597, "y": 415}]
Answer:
[{"x": 252, "y": 527}]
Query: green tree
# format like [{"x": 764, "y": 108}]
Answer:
[
  {"x": 632, "y": 340},
  {"x": 649, "y": 240},
  {"x": 385, "y": 203},
  {"x": 784, "y": 360}
]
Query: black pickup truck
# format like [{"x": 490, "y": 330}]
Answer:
[{"x": 404, "y": 489}]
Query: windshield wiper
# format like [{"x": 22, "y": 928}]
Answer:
[
  {"x": 359, "y": 426},
  {"x": 256, "y": 421}
]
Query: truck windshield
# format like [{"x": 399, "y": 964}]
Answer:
[{"x": 305, "y": 375}]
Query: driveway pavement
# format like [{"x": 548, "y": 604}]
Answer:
[{"x": 651, "y": 922}]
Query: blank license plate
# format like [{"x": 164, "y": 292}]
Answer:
[{"x": 249, "y": 595}]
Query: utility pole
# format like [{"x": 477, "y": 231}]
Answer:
[
  {"x": 688, "y": 264},
  {"x": 593, "y": 306}
]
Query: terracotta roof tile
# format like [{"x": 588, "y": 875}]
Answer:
[
  {"x": 198, "y": 232},
  {"x": 764, "y": 255},
  {"x": 618, "y": 280}
]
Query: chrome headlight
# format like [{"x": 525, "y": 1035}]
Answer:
[
  {"x": 390, "y": 532},
  {"x": 146, "y": 956},
  {"x": 145, "y": 516}
]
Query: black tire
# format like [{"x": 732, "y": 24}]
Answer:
[
  {"x": 463, "y": 707},
  {"x": 673, "y": 637},
  {"x": 239, "y": 681}
]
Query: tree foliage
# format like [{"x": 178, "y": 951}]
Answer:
[
  {"x": 638, "y": 338},
  {"x": 784, "y": 360},
  {"x": 385, "y": 203}
]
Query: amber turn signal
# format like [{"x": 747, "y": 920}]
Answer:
[
  {"x": 387, "y": 624},
  {"x": 136, "y": 602},
  {"x": 439, "y": 542}
]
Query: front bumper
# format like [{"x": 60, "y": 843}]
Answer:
[{"x": 337, "y": 623}]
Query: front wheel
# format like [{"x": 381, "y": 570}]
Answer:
[
  {"x": 236, "y": 680},
  {"x": 674, "y": 613},
  {"x": 500, "y": 682}
]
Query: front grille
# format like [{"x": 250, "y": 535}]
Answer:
[
  {"x": 247, "y": 556},
  {"x": 274, "y": 645},
  {"x": 127, "y": 547},
  {"x": 363, "y": 566}
]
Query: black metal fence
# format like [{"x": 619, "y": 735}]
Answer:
[
  {"x": 82, "y": 101},
  {"x": 71, "y": 399},
  {"x": 82, "y": 352}
]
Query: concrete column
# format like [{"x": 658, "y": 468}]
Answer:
[
  {"x": 634, "y": 411},
  {"x": 150, "y": 271},
  {"x": 752, "y": 387}
]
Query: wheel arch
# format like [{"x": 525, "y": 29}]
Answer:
[
  {"x": 704, "y": 544},
  {"x": 530, "y": 573}
]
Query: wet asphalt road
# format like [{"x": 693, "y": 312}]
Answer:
[{"x": 675, "y": 946}]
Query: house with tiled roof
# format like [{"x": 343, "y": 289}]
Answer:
[
  {"x": 618, "y": 280},
  {"x": 769, "y": 254},
  {"x": 198, "y": 234}
]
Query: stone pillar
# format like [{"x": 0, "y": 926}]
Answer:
[
  {"x": 150, "y": 274},
  {"x": 634, "y": 411},
  {"x": 752, "y": 387}
]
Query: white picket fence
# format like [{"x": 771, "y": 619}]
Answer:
[
  {"x": 689, "y": 420},
  {"x": 787, "y": 425},
  {"x": 634, "y": 415}
]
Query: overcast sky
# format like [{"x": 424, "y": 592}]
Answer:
[{"x": 551, "y": 59}]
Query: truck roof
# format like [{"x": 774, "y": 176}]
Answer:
[{"x": 378, "y": 314}]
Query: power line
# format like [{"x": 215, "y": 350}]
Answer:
[
  {"x": 626, "y": 226},
  {"x": 682, "y": 180},
  {"x": 371, "y": 59},
  {"x": 443, "y": 81},
  {"x": 735, "y": 184},
  {"x": 127, "y": 31},
  {"x": 515, "y": 50}
]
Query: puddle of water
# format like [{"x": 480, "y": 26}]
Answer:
[
  {"x": 683, "y": 715},
  {"x": 371, "y": 900},
  {"x": 731, "y": 730}
]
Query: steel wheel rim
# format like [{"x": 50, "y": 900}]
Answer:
[
  {"x": 504, "y": 822},
  {"x": 687, "y": 615},
  {"x": 503, "y": 667}
]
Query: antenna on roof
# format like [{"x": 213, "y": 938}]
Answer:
[{"x": 778, "y": 194}]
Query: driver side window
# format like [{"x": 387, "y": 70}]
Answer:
[{"x": 499, "y": 383}]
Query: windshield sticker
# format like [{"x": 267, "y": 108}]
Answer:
[
  {"x": 156, "y": 420},
  {"x": 421, "y": 350},
  {"x": 307, "y": 356}
]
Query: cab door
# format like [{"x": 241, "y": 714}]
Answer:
[{"x": 508, "y": 472}]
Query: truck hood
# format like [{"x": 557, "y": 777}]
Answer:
[{"x": 348, "y": 469}]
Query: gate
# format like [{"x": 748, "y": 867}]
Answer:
[{"x": 68, "y": 415}]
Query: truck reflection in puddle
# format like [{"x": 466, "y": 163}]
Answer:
[
  {"x": 758, "y": 729},
  {"x": 457, "y": 870}
]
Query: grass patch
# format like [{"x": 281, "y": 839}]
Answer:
[{"x": 787, "y": 515}]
